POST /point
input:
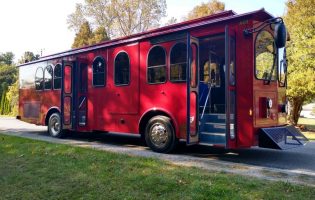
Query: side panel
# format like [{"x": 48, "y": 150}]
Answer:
[{"x": 169, "y": 97}]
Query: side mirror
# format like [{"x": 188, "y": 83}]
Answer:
[{"x": 280, "y": 35}]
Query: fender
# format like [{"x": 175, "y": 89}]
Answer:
[{"x": 161, "y": 110}]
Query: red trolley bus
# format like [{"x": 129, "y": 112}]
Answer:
[{"x": 219, "y": 80}]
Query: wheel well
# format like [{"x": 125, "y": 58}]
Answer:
[
  {"x": 145, "y": 119},
  {"x": 50, "y": 112}
]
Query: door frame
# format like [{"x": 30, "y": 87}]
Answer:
[
  {"x": 229, "y": 34},
  {"x": 192, "y": 139}
]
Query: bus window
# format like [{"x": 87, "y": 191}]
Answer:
[
  {"x": 57, "y": 77},
  {"x": 265, "y": 56},
  {"x": 39, "y": 79},
  {"x": 178, "y": 62},
  {"x": 99, "y": 71},
  {"x": 122, "y": 69},
  {"x": 156, "y": 72},
  {"x": 48, "y": 73}
]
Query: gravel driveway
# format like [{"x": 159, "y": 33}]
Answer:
[{"x": 294, "y": 165}]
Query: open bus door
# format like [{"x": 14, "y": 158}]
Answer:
[
  {"x": 81, "y": 95},
  {"x": 192, "y": 90},
  {"x": 217, "y": 98}
]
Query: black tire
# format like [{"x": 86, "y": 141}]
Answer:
[
  {"x": 54, "y": 126},
  {"x": 160, "y": 134}
]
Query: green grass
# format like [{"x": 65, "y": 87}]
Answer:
[
  {"x": 32, "y": 169},
  {"x": 309, "y": 125}
]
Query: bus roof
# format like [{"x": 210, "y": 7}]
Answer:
[{"x": 186, "y": 25}]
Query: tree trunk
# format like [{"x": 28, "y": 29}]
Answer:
[{"x": 297, "y": 104}]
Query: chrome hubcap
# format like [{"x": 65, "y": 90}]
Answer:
[
  {"x": 158, "y": 135},
  {"x": 54, "y": 125}
]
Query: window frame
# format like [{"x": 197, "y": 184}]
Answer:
[
  {"x": 104, "y": 73},
  {"x": 59, "y": 77},
  {"x": 52, "y": 77},
  {"x": 274, "y": 57},
  {"x": 156, "y": 66},
  {"x": 41, "y": 78},
  {"x": 129, "y": 65},
  {"x": 170, "y": 64}
]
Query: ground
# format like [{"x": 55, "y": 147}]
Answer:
[{"x": 293, "y": 165}]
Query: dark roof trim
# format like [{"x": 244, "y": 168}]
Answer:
[{"x": 184, "y": 26}]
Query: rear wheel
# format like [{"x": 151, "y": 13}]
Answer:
[
  {"x": 54, "y": 126},
  {"x": 160, "y": 134}
]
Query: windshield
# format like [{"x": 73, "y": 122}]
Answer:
[{"x": 265, "y": 56}]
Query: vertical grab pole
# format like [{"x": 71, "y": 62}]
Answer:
[{"x": 227, "y": 92}]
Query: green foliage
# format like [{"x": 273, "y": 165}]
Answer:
[
  {"x": 13, "y": 97},
  {"x": 300, "y": 20},
  {"x": 205, "y": 9},
  {"x": 8, "y": 75},
  {"x": 4, "y": 104},
  {"x": 6, "y": 58},
  {"x": 32, "y": 169},
  {"x": 86, "y": 36},
  {"x": 28, "y": 57},
  {"x": 118, "y": 17},
  {"x": 171, "y": 21},
  {"x": 83, "y": 36}
]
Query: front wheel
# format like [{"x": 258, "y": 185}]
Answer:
[
  {"x": 54, "y": 126},
  {"x": 160, "y": 134}
]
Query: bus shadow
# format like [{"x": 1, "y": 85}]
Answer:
[{"x": 288, "y": 159}]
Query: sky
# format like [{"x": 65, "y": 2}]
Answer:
[{"x": 41, "y": 26}]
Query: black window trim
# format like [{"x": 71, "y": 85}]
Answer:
[
  {"x": 105, "y": 72},
  {"x": 42, "y": 78},
  {"x": 52, "y": 77},
  {"x": 274, "y": 60},
  {"x": 156, "y": 66},
  {"x": 170, "y": 64},
  {"x": 114, "y": 77},
  {"x": 58, "y": 64}
]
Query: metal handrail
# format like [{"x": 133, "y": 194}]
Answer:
[{"x": 204, "y": 107}]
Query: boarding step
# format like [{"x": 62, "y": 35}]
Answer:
[
  {"x": 212, "y": 138},
  {"x": 284, "y": 137},
  {"x": 213, "y": 127},
  {"x": 215, "y": 118}
]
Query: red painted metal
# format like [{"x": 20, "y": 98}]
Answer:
[{"x": 115, "y": 108}]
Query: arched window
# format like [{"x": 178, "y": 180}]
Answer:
[
  {"x": 99, "y": 71},
  {"x": 39, "y": 79},
  {"x": 178, "y": 62},
  {"x": 57, "y": 77},
  {"x": 156, "y": 72},
  {"x": 122, "y": 69},
  {"x": 48, "y": 74}
]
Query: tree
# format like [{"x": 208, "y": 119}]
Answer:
[
  {"x": 118, "y": 17},
  {"x": 13, "y": 96},
  {"x": 99, "y": 35},
  {"x": 28, "y": 57},
  {"x": 205, "y": 9},
  {"x": 86, "y": 36},
  {"x": 300, "y": 20},
  {"x": 83, "y": 36},
  {"x": 171, "y": 21},
  {"x": 6, "y": 58}
]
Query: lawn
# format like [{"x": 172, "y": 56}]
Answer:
[
  {"x": 32, "y": 169},
  {"x": 309, "y": 126}
]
